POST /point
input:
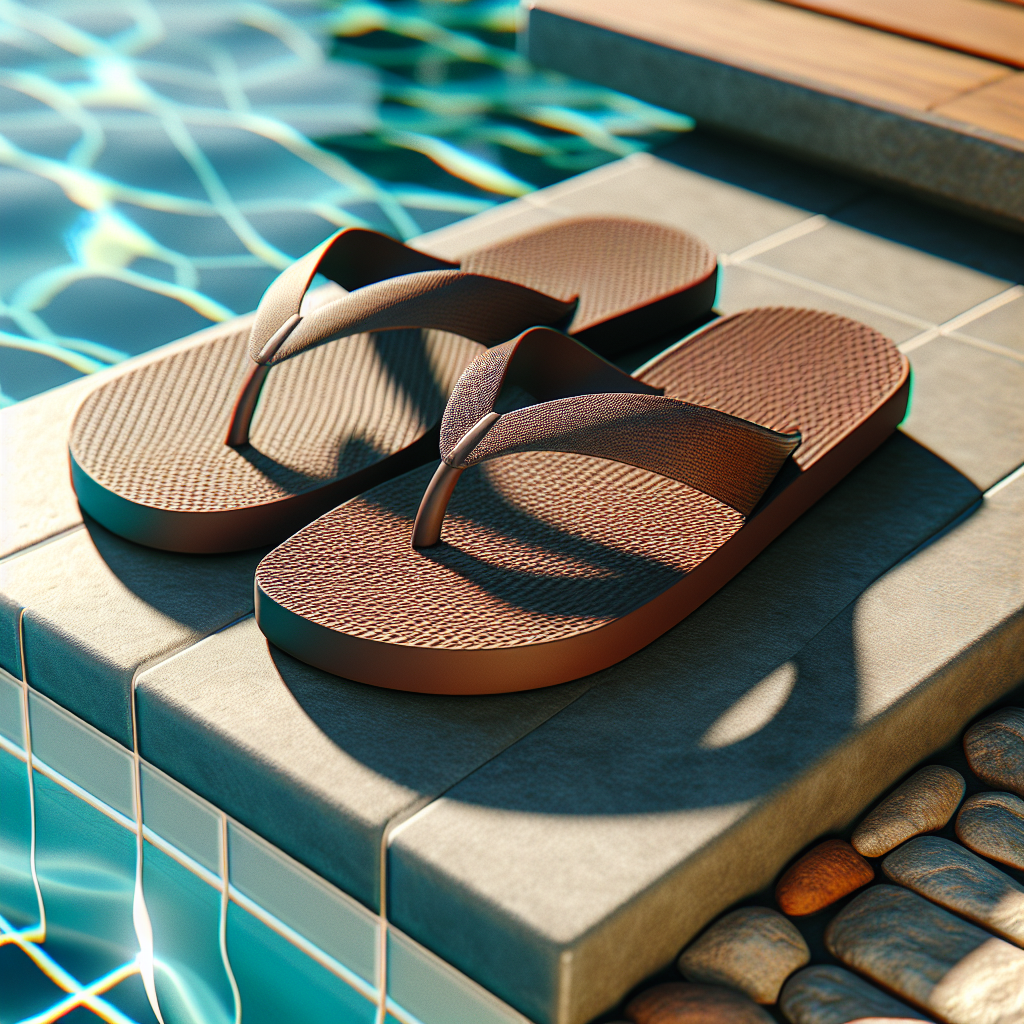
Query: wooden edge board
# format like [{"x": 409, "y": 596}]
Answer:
[{"x": 992, "y": 29}]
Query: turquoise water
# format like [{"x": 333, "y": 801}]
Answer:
[{"x": 161, "y": 162}]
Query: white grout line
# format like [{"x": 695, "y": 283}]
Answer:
[
  {"x": 962, "y": 319},
  {"x": 170, "y": 850},
  {"x": 794, "y": 231},
  {"x": 222, "y": 929},
  {"x": 838, "y": 293},
  {"x": 27, "y": 740},
  {"x": 1005, "y": 482},
  {"x": 314, "y": 952},
  {"x": 60, "y": 535},
  {"x": 140, "y": 912}
]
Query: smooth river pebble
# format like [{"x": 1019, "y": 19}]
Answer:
[
  {"x": 995, "y": 749},
  {"x": 820, "y": 877},
  {"x": 680, "y": 1003},
  {"x": 956, "y": 879},
  {"x": 831, "y": 995},
  {"x": 753, "y": 949},
  {"x": 992, "y": 824},
  {"x": 924, "y": 954},
  {"x": 925, "y": 802}
]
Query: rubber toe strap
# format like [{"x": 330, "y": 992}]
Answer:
[
  {"x": 728, "y": 458},
  {"x": 391, "y": 286}
]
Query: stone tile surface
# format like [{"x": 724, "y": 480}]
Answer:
[
  {"x": 180, "y": 817},
  {"x": 726, "y": 216},
  {"x": 97, "y": 608},
  {"x": 995, "y": 749},
  {"x": 925, "y": 802},
  {"x": 83, "y": 755},
  {"x": 333, "y": 921},
  {"x": 832, "y": 995},
  {"x": 613, "y": 814},
  {"x": 427, "y": 987},
  {"x": 992, "y": 824},
  {"x": 1003, "y": 326},
  {"x": 316, "y": 764},
  {"x": 927, "y": 956},
  {"x": 750, "y": 283},
  {"x": 966, "y": 407},
  {"x": 915, "y": 282},
  {"x": 954, "y": 878},
  {"x": 753, "y": 949}
]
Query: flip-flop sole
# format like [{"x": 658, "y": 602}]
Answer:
[
  {"x": 554, "y": 566},
  {"x": 147, "y": 450}
]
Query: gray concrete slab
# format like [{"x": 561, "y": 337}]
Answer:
[
  {"x": 585, "y": 856},
  {"x": 968, "y": 406},
  {"x": 97, "y": 608},
  {"x": 318, "y": 765}
]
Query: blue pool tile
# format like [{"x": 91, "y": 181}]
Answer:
[
  {"x": 176, "y": 814},
  {"x": 82, "y": 754},
  {"x": 191, "y": 982},
  {"x": 11, "y": 726},
  {"x": 86, "y": 867},
  {"x": 279, "y": 983},
  {"x": 435, "y": 993},
  {"x": 335, "y": 922},
  {"x": 17, "y": 894}
]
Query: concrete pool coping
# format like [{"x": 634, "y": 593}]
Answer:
[{"x": 557, "y": 846}]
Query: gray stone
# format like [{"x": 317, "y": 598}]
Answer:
[
  {"x": 316, "y": 764},
  {"x": 677, "y": 1003},
  {"x": 995, "y": 749},
  {"x": 966, "y": 408},
  {"x": 953, "y": 877},
  {"x": 927, "y": 956},
  {"x": 992, "y": 824},
  {"x": 831, "y": 995},
  {"x": 753, "y": 949},
  {"x": 925, "y": 802}
]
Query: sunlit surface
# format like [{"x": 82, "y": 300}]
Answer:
[{"x": 157, "y": 168}]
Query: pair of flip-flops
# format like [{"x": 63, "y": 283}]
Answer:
[{"x": 578, "y": 512}]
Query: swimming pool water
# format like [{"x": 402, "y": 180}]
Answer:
[{"x": 160, "y": 162}]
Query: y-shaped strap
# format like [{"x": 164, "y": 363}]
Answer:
[
  {"x": 588, "y": 407},
  {"x": 391, "y": 287}
]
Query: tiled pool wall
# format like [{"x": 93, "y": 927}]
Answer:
[{"x": 219, "y": 924}]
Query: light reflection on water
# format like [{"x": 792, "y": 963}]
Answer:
[{"x": 157, "y": 168}]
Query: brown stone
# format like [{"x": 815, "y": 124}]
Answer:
[
  {"x": 680, "y": 1003},
  {"x": 953, "y": 877},
  {"x": 925, "y": 955},
  {"x": 995, "y": 749},
  {"x": 821, "y": 876},
  {"x": 925, "y": 802},
  {"x": 992, "y": 824},
  {"x": 832, "y": 995},
  {"x": 753, "y": 949}
]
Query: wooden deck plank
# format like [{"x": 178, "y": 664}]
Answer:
[
  {"x": 986, "y": 28},
  {"x": 795, "y": 45},
  {"x": 998, "y": 107}
]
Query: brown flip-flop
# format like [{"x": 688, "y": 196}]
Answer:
[
  {"x": 588, "y": 523},
  {"x": 177, "y": 455}
]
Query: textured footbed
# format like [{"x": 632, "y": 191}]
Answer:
[
  {"x": 154, "y": 437},
  {"x": 540, "y": 547}
]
